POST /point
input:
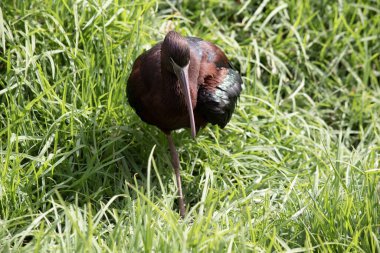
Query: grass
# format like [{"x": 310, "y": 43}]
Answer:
[{"x": 296, "y": 169}]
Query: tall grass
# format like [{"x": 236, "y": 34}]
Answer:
[{"x": 296, "y": 169}]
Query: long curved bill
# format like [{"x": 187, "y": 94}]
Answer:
[{"x": 182, "y": 74}]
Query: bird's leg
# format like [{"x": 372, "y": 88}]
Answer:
[{"x": 175, "y": 163}]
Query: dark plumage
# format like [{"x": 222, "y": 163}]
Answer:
[
  {"x": 183, "y": 82},
  {"x": 153, "y": 89},
  {"x": 216, "y": 106}
]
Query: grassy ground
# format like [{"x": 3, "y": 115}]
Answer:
[{"x": 297, "y": 169}]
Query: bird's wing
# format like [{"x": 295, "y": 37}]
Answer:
[{"x": 219, "y": 86}]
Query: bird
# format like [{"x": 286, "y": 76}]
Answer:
[{"x": 183, "y": 82}]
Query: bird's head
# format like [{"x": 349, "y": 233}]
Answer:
[
  {"x": 176, "y": 59},
  {"x": 177, "y": 49}
]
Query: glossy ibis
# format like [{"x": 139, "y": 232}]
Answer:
[{"x": 183, "y": 82}]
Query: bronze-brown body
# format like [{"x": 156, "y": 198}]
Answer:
[
  {"x": 155, "y": 93},
  {"x": 183, "y": 82}
]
